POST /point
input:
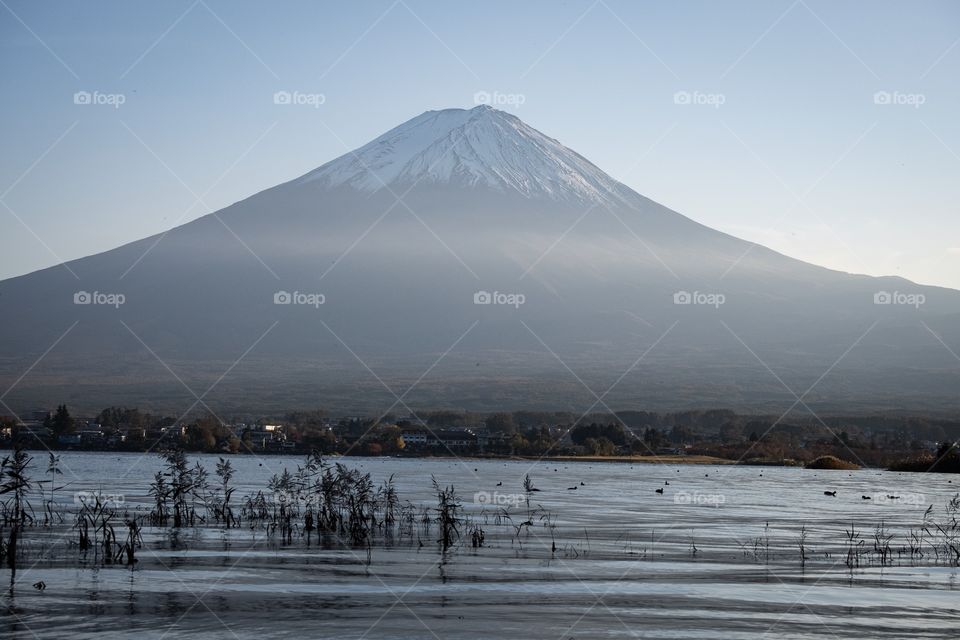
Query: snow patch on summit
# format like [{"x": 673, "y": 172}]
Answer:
[{"x": 476, "y": 147}]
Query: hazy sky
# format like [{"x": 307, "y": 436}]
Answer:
[{"x": 778, "y": 138}]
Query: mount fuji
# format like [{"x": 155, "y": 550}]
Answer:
[
  {"x": 465, "y": 259},
  {"x": 481, "y": 147}
]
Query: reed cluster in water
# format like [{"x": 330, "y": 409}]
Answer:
[{"x": 334, "y": 506}]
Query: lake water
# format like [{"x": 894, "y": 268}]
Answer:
[{"x": 715, "y": 555}]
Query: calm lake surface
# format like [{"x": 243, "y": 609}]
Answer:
[{"x": 715, "y": 555}]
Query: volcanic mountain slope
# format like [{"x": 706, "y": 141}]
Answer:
[{"x": 384, "y": 254}]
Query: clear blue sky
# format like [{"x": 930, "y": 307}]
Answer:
[{"x": 798, "y": 156}]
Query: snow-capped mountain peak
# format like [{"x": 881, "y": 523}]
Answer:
[{"x": 475, "y": 147}]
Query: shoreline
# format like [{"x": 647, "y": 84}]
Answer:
[{"x": 667, "y": 459}]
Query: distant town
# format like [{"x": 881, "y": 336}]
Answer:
[{"x": 707, "y": 435}]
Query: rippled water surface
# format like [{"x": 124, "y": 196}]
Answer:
[{"x": 715, "y": 555}]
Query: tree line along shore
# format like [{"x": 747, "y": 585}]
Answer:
[{"x": 914, "y": 443}]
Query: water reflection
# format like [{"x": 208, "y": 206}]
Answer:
[{"x": 611, "y": 559}]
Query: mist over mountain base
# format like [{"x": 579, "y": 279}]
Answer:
[{"x": 484, "y": 382}]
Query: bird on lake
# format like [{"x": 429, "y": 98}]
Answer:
[
  {"x": 865, "y": 497},
  {"x": 666, "y": 482},
  {"x": 581, "y": 484},
  {"x": 830, "y": 493},
  {"x": 499, "y": 484},
  {"x": 572, "y": 488},
  {"x": 660, "y": 490},
  {"x": 40, "y": 586}
]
